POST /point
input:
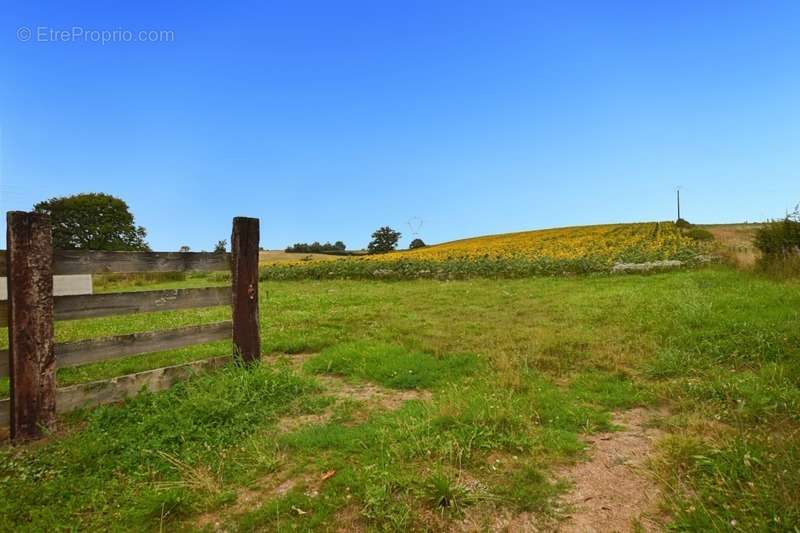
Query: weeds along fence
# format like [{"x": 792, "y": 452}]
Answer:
[{"x": 32, "y": 356}]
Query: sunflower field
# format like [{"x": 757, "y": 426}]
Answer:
[{"x": 574, "y": 250}]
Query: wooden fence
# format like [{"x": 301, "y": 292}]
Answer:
[{"x": 32, "y": 356}]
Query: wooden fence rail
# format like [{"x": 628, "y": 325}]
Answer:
[
  {"x": 94, "y": 350},
  {"x": 67, "y": 262},
  {"x": 124, "y": 303},
  {"x": 32, "y": 356},
  {"x": 117, "y": 389}
]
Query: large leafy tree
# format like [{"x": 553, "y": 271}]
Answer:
[
  {"x": 383, "y": 240},
  {"x": 93, "y": 221}
]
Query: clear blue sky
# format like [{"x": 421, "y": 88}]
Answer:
[{"x": 329, "y": 119}]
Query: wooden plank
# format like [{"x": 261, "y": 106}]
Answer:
[
  {"x": 80, "y": 353},
  {"x": 118, "y": 389},
  {"x": 123, "y": 303},
  {"x": 91, "y": 351},
  {"x": 244, "y": 259},
  {"x": 31, "y": 359},
  {"x": 97, "y": 262}
]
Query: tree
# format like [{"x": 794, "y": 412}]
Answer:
[
  {"x": 416, "y": 243},
  {"x": 339, "y": 246},
  {"x": 220, "y": 247},
  {"x": 92, "y": 221},
  {"x": 184, "y": 249},
  {"x": 383, "y": 240}
]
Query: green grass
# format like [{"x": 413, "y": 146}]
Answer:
[
  {"x": 392, "y": 366},
  {"x": 515, "y": 372},
  {"x": 159, "y": 458}
]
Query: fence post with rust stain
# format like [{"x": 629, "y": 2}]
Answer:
[
  {"x": 244, "y": 265},
  {"x": 32, "y": 362}
]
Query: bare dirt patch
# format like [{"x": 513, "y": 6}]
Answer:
[
  {"x": 612, "y": 490},
  {"x": 372, "y": 395},
  {"x": 247, "y": 498},
  {"x": 490, "y": 518}
]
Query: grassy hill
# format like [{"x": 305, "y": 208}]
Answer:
[
  {"x": 647, "y": 240},
  {"x": 572, "y": 250}
]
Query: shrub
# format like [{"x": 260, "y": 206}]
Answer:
[
  {"x": 416, "y": 243},
  {"x": 700, "y": 234},
  {"x": 683, "y": 223},
  {"x": 780, "y": 238},
  {"x": 779, "y": 243}
]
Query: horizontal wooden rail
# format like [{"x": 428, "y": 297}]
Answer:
[
  {"x": 97, "y": 262},
  {"x": 117, "y": 389},
  {"x": 94, "y": 350},
  {"x": 123, "y": 303}
]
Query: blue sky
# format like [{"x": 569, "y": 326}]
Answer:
[{"x": 329, "y": 119}]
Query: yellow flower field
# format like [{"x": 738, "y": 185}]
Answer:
[
  {"x": 629, "y": 242},
  {"x": 576, "y": 250}
]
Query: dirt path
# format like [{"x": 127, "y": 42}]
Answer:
[{"x": 612, "y": 490}]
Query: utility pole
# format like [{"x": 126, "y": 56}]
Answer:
[{"x": 678, "y": 190}]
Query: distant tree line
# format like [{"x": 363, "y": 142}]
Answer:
[{"x": 316, "y": 248}]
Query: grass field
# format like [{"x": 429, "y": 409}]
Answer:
[
  {"x": 279, "y": 256},
  {"x": 437, "y": 405}
]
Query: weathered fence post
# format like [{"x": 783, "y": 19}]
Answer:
[
  {"x": 244, "y": 265},
  {"x": 32, "y": 362}
]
